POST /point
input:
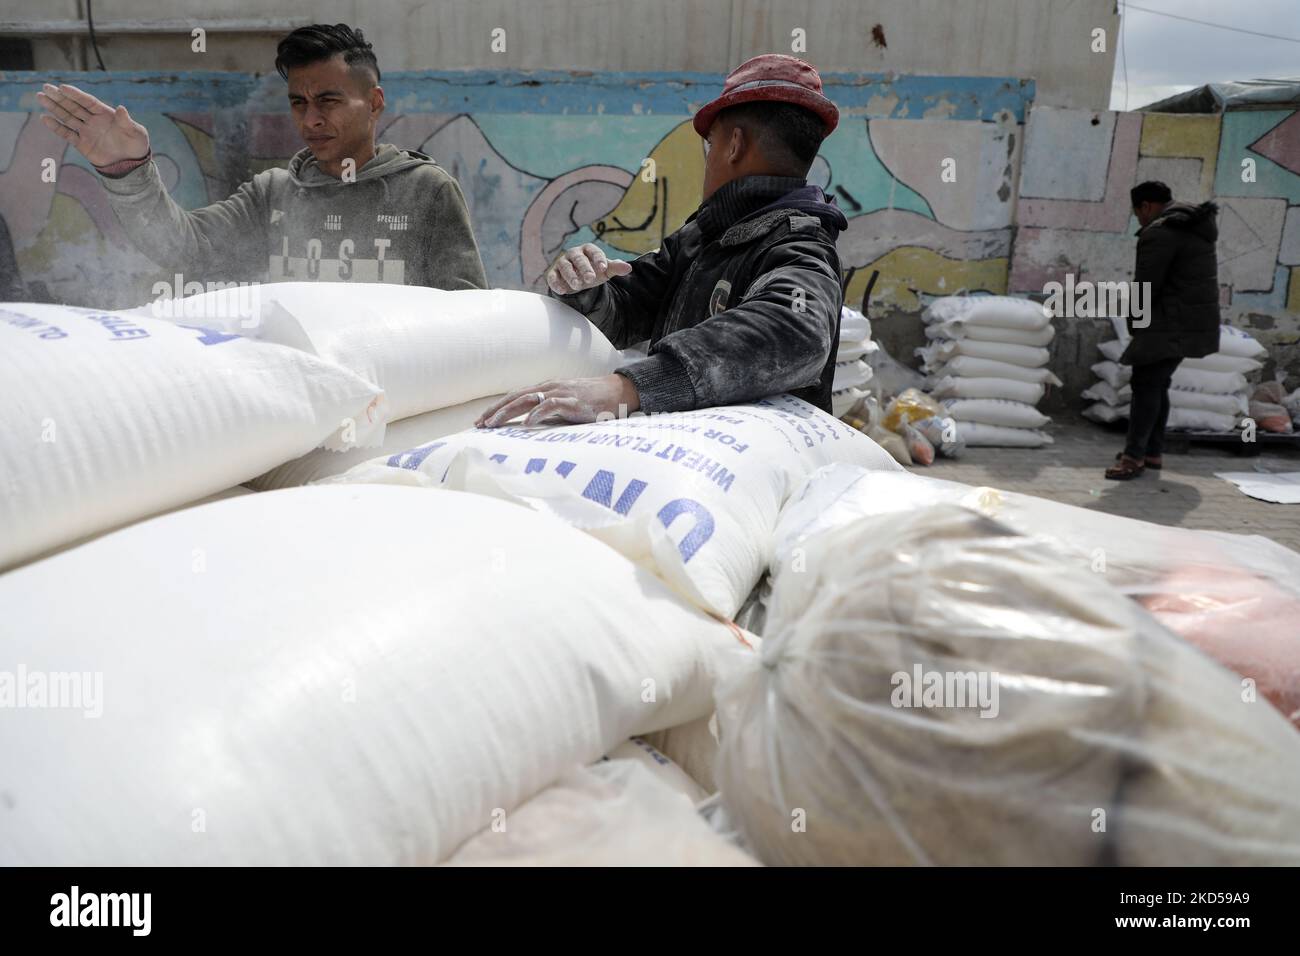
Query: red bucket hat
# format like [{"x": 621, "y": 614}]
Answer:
[{"x": 772, "y": 77}]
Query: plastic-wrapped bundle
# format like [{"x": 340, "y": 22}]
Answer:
[
  {"x": 830, "y": 754},
  {"x": 1236, "y": 597},
  {"x": 935, "y": 687}
]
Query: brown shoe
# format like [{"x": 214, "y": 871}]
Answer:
[
  {"x": 1154, "y": 462},
  {"x": 1126, "y": 468}
]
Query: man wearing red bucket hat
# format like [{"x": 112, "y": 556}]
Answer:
[{"x": 744, "y": 300}]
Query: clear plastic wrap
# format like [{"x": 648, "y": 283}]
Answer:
[
  {"x": 1236, "y": 597},
  {"x": 911, "y": 405},
  {"x": 1067, "y": 727}
]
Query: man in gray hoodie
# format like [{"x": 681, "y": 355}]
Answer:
[{"x": 346, "y": 209}]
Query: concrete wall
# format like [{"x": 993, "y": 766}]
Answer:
[
  {"x": 1073, "y": 214},
  {"x": 547, "y": 160},
  {"x": 1049, "y": 40}
]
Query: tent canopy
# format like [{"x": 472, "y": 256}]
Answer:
[{"x": 1226, "y": 97}]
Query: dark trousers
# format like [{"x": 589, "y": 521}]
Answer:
[{"x": 1149, "y": 408}]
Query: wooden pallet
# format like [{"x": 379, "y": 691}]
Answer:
[{"x": 1177, "y": 441}]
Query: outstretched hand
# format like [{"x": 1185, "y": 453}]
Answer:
[
  {"x": 583, "y": 267},
  {"x": 99, "y": 132}
]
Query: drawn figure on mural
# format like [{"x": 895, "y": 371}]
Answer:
[
  {"x": 345, "y": 209},
  {"x": 743, "y": 300}
]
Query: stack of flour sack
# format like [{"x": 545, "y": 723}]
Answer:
[
  {"x": 1207, "y": 394},
  {"x": 852, "y": 371},
  {"x": 987, "y": 361}
]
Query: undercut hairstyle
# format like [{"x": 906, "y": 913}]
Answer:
[
  {"x": 788, "y": 135},
  {"x": 320, "y": 42},
  {"x": 1150, "y": 191}
]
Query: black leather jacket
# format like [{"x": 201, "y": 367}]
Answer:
[{"x": 742, "y": 302}]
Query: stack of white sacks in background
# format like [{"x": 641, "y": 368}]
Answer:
[
  {"x": 987, "y": 362},
  {"x": 852, "y": 373},
  {"x": 1207, "y": 394}
]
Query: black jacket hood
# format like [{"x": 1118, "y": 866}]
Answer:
[{"x": 1198, "y": 219}]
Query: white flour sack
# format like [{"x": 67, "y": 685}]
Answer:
[
  {"x": 399, "y": 436},
  {"x": 1187, "y": 379},
  {"x": 851, "y": 374},
  {"x": 972, "y": 367},
  {"x": 1112, "y": 349},
  {"x": 1218, "y": 362},
  {"x": 1233, "y": 341},
  {"x": 1010, "y": 389},
  {"x": 695, "y": 494},
  {"x": 991, "y": 333},
  {"x": 993, "y": 411},
  {"x": 998, "y": 311},
  {"x": 854, "y": 326},
  {"x": 978, "y": 434},
  {"x": 425, "y": 348},
  {"x": 943, "y": 350},
  {"x": 107, "y": 418},
  {"x": 352, "y": 676}
]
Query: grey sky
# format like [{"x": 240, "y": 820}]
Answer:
[{"x": 1166, "y": 56}]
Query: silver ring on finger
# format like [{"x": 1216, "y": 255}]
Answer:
[{"x": 540, "y": 397}]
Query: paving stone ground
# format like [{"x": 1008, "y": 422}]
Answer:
[{"x": 1185, "y": 494}]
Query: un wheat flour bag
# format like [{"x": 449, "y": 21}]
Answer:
[
  {"x": 842, "y": 726},
  {"x": 696, "y": 493},
  {"x": 107, "y": 418},
  {"x": 426, "y": 348},
  {"x": 330, "y": 676},
  {"x": 399, "y": 436}
]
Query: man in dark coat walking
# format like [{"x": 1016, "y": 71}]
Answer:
[{"x": 1176, "y": 260}]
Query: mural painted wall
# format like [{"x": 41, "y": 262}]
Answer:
[
  {"x": 1073, "y": 214},
  {"x": 546, "y": 160}
]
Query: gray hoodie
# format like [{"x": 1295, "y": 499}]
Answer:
[{"x": 402, "y": 221}]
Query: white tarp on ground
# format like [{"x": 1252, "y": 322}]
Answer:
[{"x": 1282, "y": 488}]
